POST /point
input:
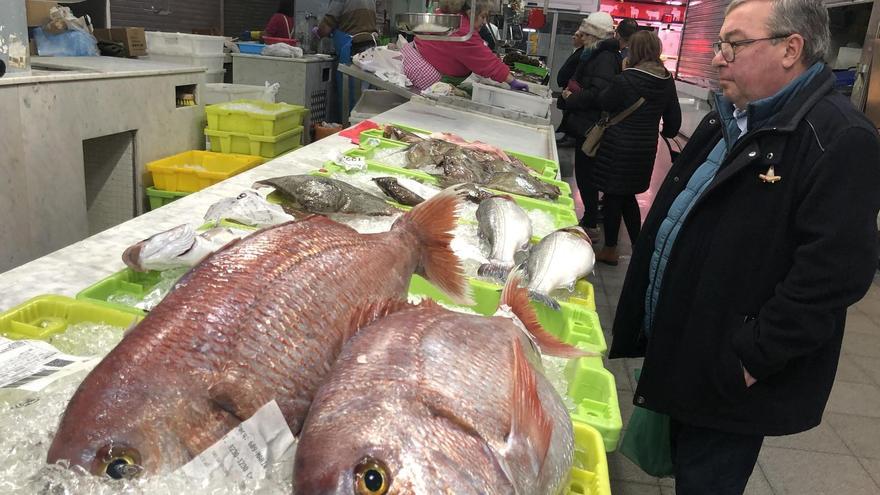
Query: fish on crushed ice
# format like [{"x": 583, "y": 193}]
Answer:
[
  {"x": 248, "y": 208},
  {"x": 508, "y": 230},
  {"x": 317, "y": 194},
  {"x": 262, "y": 319},
  {"x": 524, "y": 185},
  {"x": 428, "y": 153},
  {"x": 178, "y": 247},
  {"x": 559, "y": 260},
  {"x": 398, "y": 134},
  {"x": 397, "y": 192},
  {"x": 428, "y": 401}
]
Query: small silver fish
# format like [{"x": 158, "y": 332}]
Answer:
[
  {"x": 559, "y": 260},
  {"x": 248, "y": 208},
  {"x": 179, "y": 247},
  {"x": 508, "y": 230}
]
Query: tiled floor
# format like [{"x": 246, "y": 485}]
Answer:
[{"x": 841, "y": 456}]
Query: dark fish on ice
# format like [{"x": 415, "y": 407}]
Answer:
[
  {"x": 427, "y": 401},
  {"x": 398, "y": 134},
  {"x": 316, "y": 194},
  {"x": 262, "y": 319},
  {"x": 397, "y": 192},
  {"x": 523, "y": 184},
  {"x": 428, "y": 154}
]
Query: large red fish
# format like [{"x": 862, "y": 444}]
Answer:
[
  {"x": 262, "y": 319},
  {"x": 427, "y": 401}
]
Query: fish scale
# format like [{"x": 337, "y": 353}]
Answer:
[{"x": 260, "y": 320}]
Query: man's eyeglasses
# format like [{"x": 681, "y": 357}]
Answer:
[{"x": 728, "y": 48}]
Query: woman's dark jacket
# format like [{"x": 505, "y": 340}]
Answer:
[
  {"x": 593, "y": 75},
  {"x": 626, "y": 156}
]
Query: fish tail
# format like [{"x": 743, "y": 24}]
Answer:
[
  {"x": 433, "y": 222},
  {"x": 517, "y": 299},
  {"x": 545, "y": 300},
  {"x": 494, "y": 270}
]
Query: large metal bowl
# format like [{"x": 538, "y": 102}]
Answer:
[{"x": 440, "y": 24}]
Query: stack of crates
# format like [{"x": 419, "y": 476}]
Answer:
[
  {"x": 191, "y": 171},
  {"x": 255, "y": 127}
]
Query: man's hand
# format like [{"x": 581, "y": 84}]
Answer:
[
  {"x": 750, "y": 380},
  {"x": 565, "y": 94}
]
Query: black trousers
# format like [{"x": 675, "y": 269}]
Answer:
[
  {"x": 712, "y": 462},
  {"x": 583, "y": 172},
  {"x": 617, "y": 206}
]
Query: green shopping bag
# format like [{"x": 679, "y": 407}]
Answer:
[{"x": 646, "y": 441}]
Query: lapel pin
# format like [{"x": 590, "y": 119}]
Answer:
[{"x": 770, "y": 177}]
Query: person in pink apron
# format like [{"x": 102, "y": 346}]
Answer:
[
  {"x": 281, "y": 23},
  {"x": 426, "y": 62}
]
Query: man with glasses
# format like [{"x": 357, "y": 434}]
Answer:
[{"x": 761, "y": 236}]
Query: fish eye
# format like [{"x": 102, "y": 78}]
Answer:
[
  {"x": 371, "y": 477},
  {"x": 242, "y": 196},
  {"x": 118, "y": 462}
]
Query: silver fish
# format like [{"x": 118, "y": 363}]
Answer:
[
  {"x": 559, "y": 260},
  {"x": 248, "y": 208},
  {"x": 178, "y": 247},
  {"x": 427, "y": 401},
  {"x": 508, "y": 230}
]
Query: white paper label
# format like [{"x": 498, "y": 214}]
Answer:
[
  {"x": 33, "y": 364},
  {"x": 352, "y": 163},
  {"x": 245, "y": 452}
]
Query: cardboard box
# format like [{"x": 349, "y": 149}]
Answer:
[
  {"x": 38, "y": 11},
  {"x": 134, "y": 39}
]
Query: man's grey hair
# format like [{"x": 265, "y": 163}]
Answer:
[{"x": 808, "y": 18}]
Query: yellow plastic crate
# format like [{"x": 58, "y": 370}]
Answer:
[
  {"x": 268, "y": 147},
  {"x": 589, "y": 475},
  {"x": 255, "y": 117},
  {"x": 192, "y": 171},
  {"x": 46, "y": 316}
]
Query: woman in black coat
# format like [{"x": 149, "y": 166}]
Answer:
[
  {"x": 625, "y": 161},
  {"x": 600, "y": 62}
]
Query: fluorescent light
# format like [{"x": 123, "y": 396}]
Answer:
[{"x": 529, "y": 30}]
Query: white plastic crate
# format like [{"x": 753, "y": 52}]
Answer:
[
  {"x": 526, "y": 103},
  {"x": 212, "y": 63},
  {"x": 184, "y": 44},
  {"x": 219, "y": 93}
]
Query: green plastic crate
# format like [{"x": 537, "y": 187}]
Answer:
[
  {"x": 159, "y": 198},
  {"x": 595, "y": 392},
  {"x": 545, "y": 167},
  {"x": 563, "y": 215},
  {"x": 45, "y": 316},
  {"x": 565, "y": 199},
  {"x": 589, "y": 475},
  {"x": 249, "y": 144},
  {"x": 573, "y": 323},
  {"x": 127, "y": 281},
  {"x": 271, "y": 120},
  {"x": 531, "y": 69}
]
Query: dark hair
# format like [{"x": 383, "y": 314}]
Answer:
[
  {"x": 626, "y": 28},
  {"x": 285, "y": 7},
  {"x": 644, "y": 46}
]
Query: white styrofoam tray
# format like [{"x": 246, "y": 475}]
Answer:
[
  {"x": 184, "y": 44},
  {"x": 220, "y": 92},
  {"x": 527, "y": 103},
  {"x": 212, "y": 63}
]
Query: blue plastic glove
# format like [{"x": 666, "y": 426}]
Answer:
[
  {"x": 518, "y": 85},
  {"x": 315, "y": 32}
]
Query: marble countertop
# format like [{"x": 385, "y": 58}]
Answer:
[
  {"x": 75, "y": 267},
  {"x": 58, "y": 69}
]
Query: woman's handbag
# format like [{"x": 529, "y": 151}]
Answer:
[
  {"x": 594, "y": 135},
  {"x": 647, "y": 441}
]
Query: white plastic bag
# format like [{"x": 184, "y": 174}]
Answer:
[
  {"x": 270, "y": 91},
  {"x": 282, "y": 50}
]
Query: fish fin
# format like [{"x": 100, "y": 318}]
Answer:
[
  {"x": 545, "y": 300},
  {"x": 493, "y": 270},
  {"x": 529, "y": 422},
  {"x": 433, "y": 222},
  {"x": 371, "y": 312},
  {"x": 517, "y": 299},
  {"x": 234, "y": 398}
]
